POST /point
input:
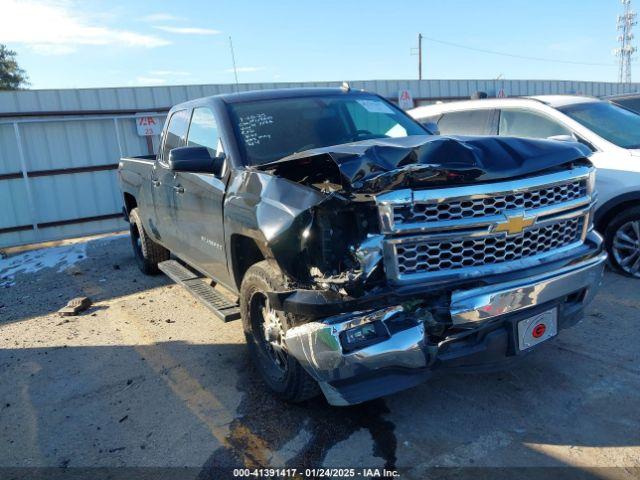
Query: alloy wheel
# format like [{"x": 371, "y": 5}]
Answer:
[{"x": 626, "y": 247}]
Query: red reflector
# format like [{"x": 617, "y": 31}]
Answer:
[{"x": 539, "y": 330}]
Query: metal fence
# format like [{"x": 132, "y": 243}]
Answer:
[
  {"x": 57, "y": 175},
  {"x": 59, "y": 148}
]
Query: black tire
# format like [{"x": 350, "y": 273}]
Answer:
[
  {"x": 621, "y": 223},
  {"x": 281, "y": 372},
  {"x": 147, "y": 252}
]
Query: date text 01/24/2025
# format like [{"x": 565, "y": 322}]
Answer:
[{"x": 316, "y": 472}]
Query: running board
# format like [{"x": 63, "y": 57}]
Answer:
[{"x": 223, "y": 308}]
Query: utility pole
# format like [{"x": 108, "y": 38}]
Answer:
[
  {"x": 625, "y": 52},
  {"x": 233, "y": 60},
  {"x": 418, "y": 52},
  {"x": 419, "y": 56}
]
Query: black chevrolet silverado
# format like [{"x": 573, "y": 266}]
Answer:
[{"x": 361, "y": 252}]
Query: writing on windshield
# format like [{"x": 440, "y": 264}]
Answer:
[{"x": 269, "y": 130}]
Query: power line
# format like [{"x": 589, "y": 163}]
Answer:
[{"x": 513, "y": 55}]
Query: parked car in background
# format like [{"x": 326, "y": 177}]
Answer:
[
  {"x": 630, "y": 101},
  {"x": 611, "y": 132}
]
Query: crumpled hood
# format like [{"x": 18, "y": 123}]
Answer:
[{"x": 372, "y": 166}]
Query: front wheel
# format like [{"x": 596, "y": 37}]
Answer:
[
  {"x": 622, "y": 239},
  {"x": 264, "y": 330}
]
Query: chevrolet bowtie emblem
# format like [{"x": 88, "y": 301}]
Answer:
[{"x": 515, "y": 223}]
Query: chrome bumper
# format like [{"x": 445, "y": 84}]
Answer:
[
  {"x": 317, "y": 346},
  {"x": 484, "y": 303}
]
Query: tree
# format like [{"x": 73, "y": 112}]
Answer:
[{"x": 12, "y": 77}]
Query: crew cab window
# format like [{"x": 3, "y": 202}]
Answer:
[
  {"x": 470, "y": 122},
  {"x": 203, "y": 131},
  {"x": 176, "y": 132},
  {"x": 520, "y": 123}
]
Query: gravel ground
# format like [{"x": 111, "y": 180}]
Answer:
[{"x": 148, "y": 378}]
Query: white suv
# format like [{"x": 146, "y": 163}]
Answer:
[{"x": 610, "y": 131}]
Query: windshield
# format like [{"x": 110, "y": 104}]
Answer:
[
  {"x": 269, "y": 130},
  {"x": 613, "y": 123}
]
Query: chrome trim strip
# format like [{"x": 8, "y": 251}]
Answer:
[
  {"x": 488, "y": 221},
  {"x": 388, "y": 201},
  {"x": 502, "y": 188},
  {"x": 543, "y": 220},
  {"x": 484, "y": 190},
  {"x": 480, "y": 304}
]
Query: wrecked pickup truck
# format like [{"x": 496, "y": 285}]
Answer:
[{"x": 361, "y": 252}]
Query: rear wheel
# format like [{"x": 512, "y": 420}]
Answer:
[
  {"x": 147, "y": 252},
  {"x": 265, "y": 329},
  {"x": 622, "y": 239}
]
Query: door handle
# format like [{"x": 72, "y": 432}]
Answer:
[
  {"x": 155, "y": 183},
  {"x": 179, "y": 189}
]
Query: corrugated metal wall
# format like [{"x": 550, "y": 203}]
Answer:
[
  {"x": 150, "y": 98},
  {"x": 59, "y": 148},
  {"x": 57, "y": 175}
]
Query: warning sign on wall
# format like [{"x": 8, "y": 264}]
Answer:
[
  {"x": 148, "y": 126},
  {"x": 405, "y": 100}
]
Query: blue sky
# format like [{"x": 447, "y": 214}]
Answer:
[{"x": 93, "y": 43}]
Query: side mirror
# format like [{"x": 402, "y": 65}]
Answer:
[
  {"x": 563, "y": 138},
  {"x": 432, "y": 127},
  {"x": 195, "y": 160}
]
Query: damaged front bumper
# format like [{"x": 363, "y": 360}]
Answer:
[{"x": 362, "y": 355}]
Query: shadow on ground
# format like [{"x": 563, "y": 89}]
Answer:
[{"x": 172, "y": 404}]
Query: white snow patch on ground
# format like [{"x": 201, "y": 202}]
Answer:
[
  {"x": 30, "y": 262},
  {"x": 61, "y": 257}
]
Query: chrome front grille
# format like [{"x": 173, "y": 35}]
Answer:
[
  {"x": 480, "y": 229},
  {"x": 482, "y": 207},
  {"x": 422, "y": 256}
]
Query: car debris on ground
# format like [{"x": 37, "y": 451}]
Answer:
[{"x": 75, "y": 306}]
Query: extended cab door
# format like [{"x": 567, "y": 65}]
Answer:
[
  {"x": 200, "y": 199},
  {"x": 163, "y": 182}
]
